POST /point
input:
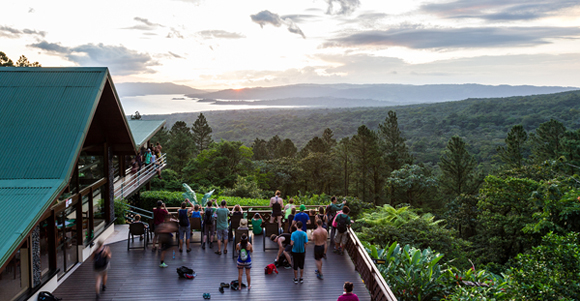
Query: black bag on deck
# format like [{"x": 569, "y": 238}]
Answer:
[
  {"x": 47, "y": 296},
  {"x": 185, "y": 272}
]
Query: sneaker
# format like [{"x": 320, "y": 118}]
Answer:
[
  {"x": 319, "y": 276},
  {"x": 301, "y": 280},
  {"x": 295, "y": 281},
  {"x": 104, "y": 288},
  {"x": 163, "y": 265},
  {"x": 287, "y": 266},
  {"x": 203, "y": 245},
  {"x": 316, "y": 272},
  {"x": 210, "y": 245}
]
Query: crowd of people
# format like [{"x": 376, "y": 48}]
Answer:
[
  {"x": 150, "y": 155},
  {"x": 331, "y": 222}
]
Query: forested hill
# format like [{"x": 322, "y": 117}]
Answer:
[{"x": 483, "y": 123}]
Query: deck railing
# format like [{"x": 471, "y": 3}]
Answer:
[
  {"x": 133, "y": 181},
  {"x": 370, "y": 274}
]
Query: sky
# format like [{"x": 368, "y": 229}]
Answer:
[{"x": 222, "y": 44}]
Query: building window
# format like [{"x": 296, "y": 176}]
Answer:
[{"x": 15, "y": 279}]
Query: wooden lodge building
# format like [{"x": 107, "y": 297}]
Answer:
[{"x": 65, "y": 141}]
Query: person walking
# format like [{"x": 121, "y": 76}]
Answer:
[
  {"x": 222, "y": 227},
  {"x": 348, "y": 295},
  {"x": 163, "y": 231},
  {"x": 184, "y": 233},
  {"x": 159, "y": 214},
  {"x": 101, "y": 259},
  {"x": 244, "y": 249},
  {"x": 342, "y": 224},
  {"x": 299, "y": 240},
  {"x": 320, "y": 235},
  {"x": 277, "y": 203}
]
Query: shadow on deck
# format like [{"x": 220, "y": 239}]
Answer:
[{"x": 135, "y": 275}]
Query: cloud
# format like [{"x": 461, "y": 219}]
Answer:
[
  {"x": 220, "y": 34},
  {"x": 345, "y": 7},
  {"x": 266, "y": 17},
  {"x": 31, "y": 10},
  {"x": 417, "y": 37},
  {"x": 174, "y": 33},
  {"x": 176, "y": 55},
  {"x": 299, "y": 18},
  {"x": 13, "y": 33},
  {"x": 120, "y": 60},
  {"x": 145, "y": 24},
  {"x": 499, "y": 10}
]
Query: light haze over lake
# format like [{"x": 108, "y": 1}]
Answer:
[{"x": 177, "y": 103}]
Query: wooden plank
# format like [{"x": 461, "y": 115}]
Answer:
[{"x": 136, "y": 275}]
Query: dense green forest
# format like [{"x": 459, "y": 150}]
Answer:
[
  {"x": 483, "y": 123},
  {"x": 448, "y": 226}
]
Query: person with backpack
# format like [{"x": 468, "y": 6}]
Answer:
[
  {"x": 184, "y": 232},
  {"x": 277, "y": 203},
  {"x": 208, "y": 225},
  {"x": 244, "y": 249},
  {"x": 284, "y": 248},
  {"x": 101, "y": 259},
  {"x": 342, "y": 221},
  {"x": 331, "y": 211}
]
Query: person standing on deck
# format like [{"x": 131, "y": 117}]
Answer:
[
  {"x": 244, "y": 249},
  {"x": 277, "y": 203},
  {"x": 299, "y": 240},
  {"x": 222, "y": 227},
  {"x": 332, "y": 209},
  {"x": 208, "y": 224},
  {"x": 320, "y": 235},
  {"x": 184, "y": 226},
  {"x": 301, "y": 217},
  {"x": 284, "y": 248}
]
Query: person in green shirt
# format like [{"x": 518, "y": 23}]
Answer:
[
  {"x": 257, "y": 224},
  {"x": 222, "y": 214},
  {"x": 331, "y": 211}
]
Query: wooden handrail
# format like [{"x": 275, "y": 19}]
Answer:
[{"x": 374, "y": 281}]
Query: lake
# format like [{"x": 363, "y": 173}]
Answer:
[{"x": 178, "y": 103}]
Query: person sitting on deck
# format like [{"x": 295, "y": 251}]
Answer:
[
  {"x": 257, "y": 224},
  {"x": 196, "y": 212},
  {"x": 348, "y": 294},
  {"x": 238, "y": 210},
  {"x": 137, "y": 220},
  {"x": 243, "y": 225}
]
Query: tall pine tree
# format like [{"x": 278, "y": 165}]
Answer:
[
  {"x": 180, "y": 145},
  {"x": 513, "y": 153},
  {"x": 546, "y": 140},
  {"x": 458, "y": 168},
  {"x": 396, "y": 153},
  {"x": 201, "y": 134},
  {"x": 260, "y": 150},
  {"x": 367, "y": 163}
]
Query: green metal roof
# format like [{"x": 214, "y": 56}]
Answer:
[
  {"x": 45, "y": 115},
  {"x": 143, "y": 130}
]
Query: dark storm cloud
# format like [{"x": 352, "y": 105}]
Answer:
[
  {"x": 499, "y": 10},
  {"x": 440, "y": 38},
  {"x": 120, "y": 60},
  {"x": 220, "y": 34},
  {"x": 266, "y": 17},
  {"x": 342, "y": 7},
  {"x": 9, "y": 32}
]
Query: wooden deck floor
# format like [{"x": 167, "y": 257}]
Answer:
[{"x": 135, "y": 275}]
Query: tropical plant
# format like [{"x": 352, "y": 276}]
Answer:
[{"x": 411, "y": 273}]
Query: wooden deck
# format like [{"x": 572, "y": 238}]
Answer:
[{"x": 135, "y": 275}]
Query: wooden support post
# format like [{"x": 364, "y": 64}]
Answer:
[
  {"x": 106, "y": 196},
  {"x": 52, "y": 240},
  {"x": 79, "y": 210},
  {"x": 122, "y": 166},
  {"x": 91, "y": 229}
]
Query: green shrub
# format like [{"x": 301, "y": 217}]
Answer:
[
  {"x": 170, "y": 198},
  {"x": 120, "y": 206},
  {"x": 244, "y": 187}
]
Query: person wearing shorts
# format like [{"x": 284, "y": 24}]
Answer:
[
  {"x": 299, "y": 240},
  {"x": 184, "y": 232},
  {"x": 164, "y": 231},
  {"x": 277, "y": 203},
  {"x": 244, "y": 263},
  {"x": 222, "y": 227},
  {"x": 284, "y": 248},
  {"x": 208, "y": 225},
  {"x": 320, "y": 236},
  {"x": 340, "y": 238}
]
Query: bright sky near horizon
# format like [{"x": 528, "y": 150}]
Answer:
[{"x": 218, "y": 44}]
